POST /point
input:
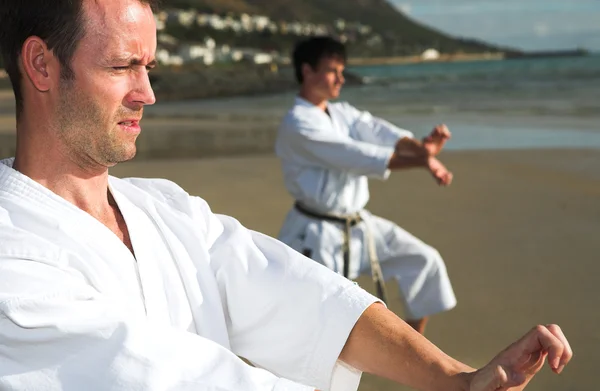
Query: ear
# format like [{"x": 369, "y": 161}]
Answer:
[
  {"x": 38, "y": 64},
  {"x": 306, "y": 70}
]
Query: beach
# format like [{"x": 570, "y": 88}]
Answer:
[{"x": 517, "y": 229}]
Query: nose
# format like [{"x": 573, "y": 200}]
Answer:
[
  {"x": 341, "y": 78},
  {"x": 142, "y": 93}
]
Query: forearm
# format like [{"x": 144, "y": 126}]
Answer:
[
  {"x": 384, "y": 345},
  {"x": 399, "y": 162},
  {"x": 409, "y": 146}
]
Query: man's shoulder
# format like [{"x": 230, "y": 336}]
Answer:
[
  {"x": 342, "y": 105},
  {"x": 302, "y": 116},
  {"x": 344, "y": 108},
  {"x": 298, "y": 111}
]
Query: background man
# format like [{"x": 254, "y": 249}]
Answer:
[{"x": 328, "y": 151}]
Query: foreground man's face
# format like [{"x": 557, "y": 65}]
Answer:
[{"x": 101, "y": 108}]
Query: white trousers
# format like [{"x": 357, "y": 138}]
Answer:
[{"x": 417, "y": 267}]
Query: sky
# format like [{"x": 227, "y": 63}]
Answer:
[{"x": 522, "y": 24}]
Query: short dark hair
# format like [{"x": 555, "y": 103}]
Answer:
[
  {"x": 310, "y": 51},
  {"x": 58, "y": 22}
]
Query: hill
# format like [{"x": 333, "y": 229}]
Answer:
[{"x": 400, "y": 35}]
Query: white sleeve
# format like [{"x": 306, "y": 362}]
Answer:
[
  {"x": 371, "y": 129},
  {"x": 68, "y": 337},
  {"x": 286, "y": 313},
  {"x": 310, "y": 144}
]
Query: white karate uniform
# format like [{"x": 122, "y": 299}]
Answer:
[
  {"x": 79, "y": 312},
  {"x": 326, "y": 162}
]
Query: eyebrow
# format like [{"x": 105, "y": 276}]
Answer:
[{"x": 134, "y": 61}]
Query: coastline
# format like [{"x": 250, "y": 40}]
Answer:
[
  {"x": 359, "y": 61},
  {"x": 458, "y": 57}
]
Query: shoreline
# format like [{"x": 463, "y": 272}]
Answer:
[
  {"x": 416, "y": 59},
  {"x": 460, "y": 57}
]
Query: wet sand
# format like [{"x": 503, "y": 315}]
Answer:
[{"x": 518, "y": 230}]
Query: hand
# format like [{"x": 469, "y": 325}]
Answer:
[
  {"x": 410, "y": 147},
  {"x": 440, "y": 173},
  {"x": 434, "y": 143},
  {"x": 513, "y": 369}
]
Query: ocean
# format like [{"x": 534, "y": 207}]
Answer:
[
  {"x": 510, "y": 104},
  {"x": 526, "y": 103}
]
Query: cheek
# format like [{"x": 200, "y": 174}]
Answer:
[
  {"x": 110, "y": 91},
  {"x": 327, "y": 81},
  {"x": 334, "y": 81}
]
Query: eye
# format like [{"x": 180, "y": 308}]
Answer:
[{"x": 121, "y": 68}]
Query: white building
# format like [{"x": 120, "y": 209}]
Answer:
[
  {"x": 197, "y": 53},
  {"x": 216, "y": 22},
  {"x": 164, "y": 57},
  {"x": 262, "y": 58},
  {"x": 187, "y": 18},
  {"x": 210, "y": 43},
  {"x": 295, "y": 28},
  {"x": 166, "y": 39},
  {"x": 260, "y": 22},
  {"x": 202, "y": 19},
  {"x": 430, "y": 55}
]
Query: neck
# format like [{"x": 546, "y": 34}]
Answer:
[
  {"x": 42, "y": 157},
  {"x": 312, "y": 97}
]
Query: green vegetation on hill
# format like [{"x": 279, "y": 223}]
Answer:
[{"x": 400, "y": 35}]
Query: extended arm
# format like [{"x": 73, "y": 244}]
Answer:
[{"x": 382, "y": 344}]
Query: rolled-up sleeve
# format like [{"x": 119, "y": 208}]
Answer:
[{"x": 285, "y": 313}]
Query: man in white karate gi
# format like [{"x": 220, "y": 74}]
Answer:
[
  {"x": 328, "y": 151},
  {"x": 110, "y": 284}
]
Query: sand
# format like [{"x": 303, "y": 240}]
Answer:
[{"x": 518, "y": 230}]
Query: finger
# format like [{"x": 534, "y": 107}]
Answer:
[
  {"x": 567, "y": 352},
  {"x": 540, "y": 338},
  {"x": 446, "y": 178},
  {"x": 443, "y": 131},
  {"x": 532, "y": 363},
  {"x": 439, "y": 179},
  {"x": 437, "y": 132}
]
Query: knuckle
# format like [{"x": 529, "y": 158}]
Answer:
[{"x": 540, "y": 329}]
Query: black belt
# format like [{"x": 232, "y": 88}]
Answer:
[{"x": 348, "y": 222}]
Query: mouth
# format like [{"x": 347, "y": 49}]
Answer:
[{"x": 130, "y": 125}]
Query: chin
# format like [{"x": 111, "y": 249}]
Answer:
[
  {"x": 121, "y": 156},
  {"x": 129, "y": 155}
]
